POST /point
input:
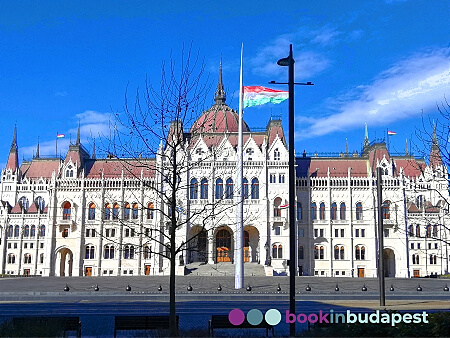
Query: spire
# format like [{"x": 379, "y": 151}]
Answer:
[
  {"x": 37, "y": 150},
  {"x": 406, "y": 148},
  {"x": 13, "y": 158},
  {"x": 366, "y": 135},
  {"x": 346, "y": 147},
  {"x": 220, "y": 95},
  {"x": 434, "y": 140},
  {"x": 78, "y": 134},
  {"x": 435, "y": 154},
  {"x": 93, "y": 150}
]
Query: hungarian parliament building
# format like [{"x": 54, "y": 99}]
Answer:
[{"x": 87, "y": 216}]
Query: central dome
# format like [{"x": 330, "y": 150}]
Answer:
[{"x": 219, "y": 118}]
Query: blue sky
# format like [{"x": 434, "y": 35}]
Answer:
[{"x": 384, "y": 62}]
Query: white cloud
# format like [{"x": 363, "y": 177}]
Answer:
[
  {"x": 395, "y": 94},
  {"x": 93, "y": 124}
]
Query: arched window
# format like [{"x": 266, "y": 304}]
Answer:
[
  {"x": 280, "y": 251},
  {"x": 129, "y": 252},
  {"x": 16, "y": 231},
  {"x": 336, "y": 252},
  {"x": 322, "y": 211},
  {"x": 277, "y": 251},
  {"x": 417, "y": 230},
  {"x": 67, "y": 211},
  {"x": 27, "y": 259},
  {"x": 147, "y": 252},
  {"x": 91, "y": 212},
  {"x": 342, "y": 211},
  {"x": 10, "y": 231},
  {"x": 359, "y": 211},
  {"x": 341, "y": 253},
  {"x": 33, "y": 231},
  {"x": 24, "y": 203},
  {"x": 90, "y": 252},
  {"x": 115, "y": 213},
  {"x": 313, "y": 211},
  {"x": 229, "y": 189},
  {"x": 135, "y": 212},
  {"x": 316, "y": 252},
  {"x": 276, "y": 155},
  {"x": 411, "y": 230},
  {"x": 11, "y": 258},
  {"x": 357, "y": 253},
  {"x": 40, "y": 203},
  {"x": 321, "y": 252},
  {"x": 204, "y": 189},
  {"x": 193, "y": 189},
  {"x": 219, "y": 188},
  {"x": 244, "y": 188},
  {"x": 42, "y": 234},
  {"x": 428, "y": 231},
  {"x": 333, "y": 213},
  {"x": 109, "y": 252},
  {"x": 26, "y": 232},
  {"x": 276, "y": 207},
  {"x": 435, "y": 231},
  {"x": 107, "y": 211},
  {"x": 385, "y": 210},
  {"x": 255, "y": 189},
  {"x": 69, "y": 171},
  {"x": 434, "y": 259},
  {"x": 41, "y": 258},
  {"x": 150, "y": 210},
  {"x": 126, "y": 211},
  {"x": 301, "y": 252},
  {"x": 299, "y": 211},
  {"x": 363, "y": 252}
]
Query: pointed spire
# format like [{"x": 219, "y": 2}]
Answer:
[
  {"x": 78, "y": 134},
  {"x": 13, "y": 158},
  {"x": 220, "y": 95},
  {"x": 93, "y": 150},
  {"x": 434, "y": 140},
  {"x": 37, "y": 150},
  {"x": 406, "y": 148},
  {"x": 435, "y": 154},
  {"x": 14, "y": 141},
  {"x": 346, "y": 147},
  {"x": 366, "y": 135}
]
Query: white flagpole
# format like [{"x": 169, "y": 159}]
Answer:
[{"x": 239, "y": 256}]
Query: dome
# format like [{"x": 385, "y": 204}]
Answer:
[{"x": 219, "y": 118}]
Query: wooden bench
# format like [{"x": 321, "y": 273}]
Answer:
[
  {"x": 65, "y": 323},
  {"x": 222, "y": 322},
  {"x": 141, "y": 323}
]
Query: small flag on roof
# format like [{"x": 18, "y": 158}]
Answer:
[
  {"x": 391, "y": 132},
  {"x": 285, "y": 206},
  {"x": 60, "y": 135},
  {"x": 257, "y": 95}
]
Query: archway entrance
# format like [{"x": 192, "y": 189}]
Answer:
[
  {"x": 246, "y": 247},
  {"x": 389, "y": 262},
  {"x": 251, "y": 244},
  {"x": 64, "y": 262},
  {"x": 198, "y": 246},
  {"x": 223, "y": 245}
]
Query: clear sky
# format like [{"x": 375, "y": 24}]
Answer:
[{"x": 382, "y": 61}]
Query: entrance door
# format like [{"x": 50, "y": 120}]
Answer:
[
  {"x": 26, "y": 272},
  {"x": 223, "y": 245},
  {"x": 223, "y": 255},
  {"x": 88, "y": 271},
  {"x": 416, "y": 273},
  {"x": 361, "y": 272},
  {"x": 147, "y": 269},
  {"x": 246, "y": 245}
]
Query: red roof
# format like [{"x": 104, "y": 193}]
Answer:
[
  {"x": 40, "y": 168},
  {"x": 218, "y": 119},
  {"x": 17, "y": 209},
  {"x": 32, "y": 209},
  {"x": 113, "y": 168}
]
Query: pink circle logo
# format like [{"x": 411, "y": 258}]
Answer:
[{"x": 236, "y": 317}]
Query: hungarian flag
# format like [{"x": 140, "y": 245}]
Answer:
[
  {"x": 60, "y": 135},
  {"x": 257, "y": 95},
  {"x": 391, "y": 132},
  {"x": 285, "y": 206}
]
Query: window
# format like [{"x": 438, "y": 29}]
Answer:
[
  {"x": 433, "y": 259},
  {"x": 41, "y": 258},
  {"x": 115, "y": 212},
  {"x": 360, "y": 252},
  {"x": 229, "y": 189},
  {"x": 313, "y": 211},
  {"x": 418, "y": 246},
  {"x": 322, "y": 211},
  {"x": 417, "y": 231},
  {"x": 193, "y": 189},
  {"x": 273, "y": 178},
  {"x": 435, "y": 230},
  {"x": 24, "y": 203},
  {"x": 129, "y": 252},
  {"x": 11, "y": 259},
  {"x": 363, "y": 232},
  {"x": 429, "y": 245},
  {"x": 276, "y": 155},
  {"x": 147, "y": 252},
  {"x": 342, "y": 211},
  {"x": 322, "y": 233},
  {"x": 386, "y": 232},
  {"x": 16, "y": 231},
  {"x": 428, "y": 231},
  {"x": 412, "y": 245},
  {"x": 277, "y": 231},
  {"x": 277, "y": 251},
  {"x": 359, "y": 211},
  {"x": 27, "y": 259},
  {"x": 385, "y": 210},
  {"x": 127, "y": 232},
  {"x": 301, "y": 252},
  {"x": 107, "y": 211},
  {"x": 150, "y": 210},
  {"x": 126, "y": 211},
  {"x": 219, "y": 188},
  {"x": 299, "y": 211},
  {"x": 65, "y": 233},
  {"x": 244, "y": 188},
  {"x": 338, "y": 252},
  {"x": 415, "y": 259},
  {"x": 91, "y": 212},
  {"x": 321, "y": 252},
  {"x": 66, "y": 211},
  {"x": 316, "y": 233},
  {"x": 42, "y": 245},
  {"x": 281, "y": 178},
  {"x": 333, "y": 211},
  {"x": 40, "y": 203},
  {"x": 411, "y": 230},
  {"x": 42, "y": 234},
  {"x": 435, "y": 245},
  {"x": 26, "y": 232},
  {"x": 90, "y": 252},
  {"x": 25, "y": 245},
  {"x": 276, "y": 207},
  {"x": 10, "y": 231},
  {"x": 204, "y": 189},
  {"x": 135, "y": 211},
  {"x": 255, "y": 189},
  {"x": 109, "y": 252},
  {"x": 69, "y": 171}
]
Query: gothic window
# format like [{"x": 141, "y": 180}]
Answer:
[
  {"x": 411, "y": 230},
  {"x": 313, "y": 211},
  {"x": 40, "y": 202},
  {"x": 276, "y": 155},
  {"x": 135, "y": 211},
  {"x": 115, "y": 211},
  {"x": 321, "y": 252},
  {"x": 193, "y": 189},
  {"x": 333, "y": 211},
  {"x": 11, "y": 259},
  {"x": 229, "y": 189},
  {"x": 276, "y": 207},
  {"x": 359, "y": 211},
  {"x": 428, "y": 231},
  {"x": 67, "y": 209},
  {"x": 42, "y": 234},
  {"x": 316, "y": 252},
  {"x": 435, "y": 230},
  {"x": 26, "y": 232},
  {"x": 342, "y": 211},
  {"x": 147, "y": 252},
  {"x": 33, "y": 231},
  {"x": 69, "y": 171},
  {"x": 107, "y": 211},
  {"x": 23, "y": 201},
  {"x": 150, "y": 210},
  {"x": 417, "y": 230},
  {"x": 255, "y": 189},
  {"x": 385, "y": 210},
  {"x": 127, "y": 211},
  {"x": 204, "y": 189},
  {"x": 219, "y": 188},
  {"x": 129, "y": 252},
  {"x": 244, "y": 188},
  {"x": 10, "y": 231},
  {"x": 16, "y": 231},
  {"x": 322, "y": 211},
  {"x": 299, "y": 211},
  {"x": 90, "y": 252},
  {"x": 109, "y": 252},
  {"x": 91, "y": 212},
  {"x": 27, "y": 259},
  {"x": 41, "y": 258},
  {"x": 277, "y": 251}
]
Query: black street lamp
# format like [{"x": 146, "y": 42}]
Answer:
[{"x": 289, "y": 62}]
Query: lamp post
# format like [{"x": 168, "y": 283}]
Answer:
[{"x": 289, "y": 62}]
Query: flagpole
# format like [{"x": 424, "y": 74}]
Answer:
[
  {"x": 57, "y": 144},
  {"x": 239, "y": 256}
]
